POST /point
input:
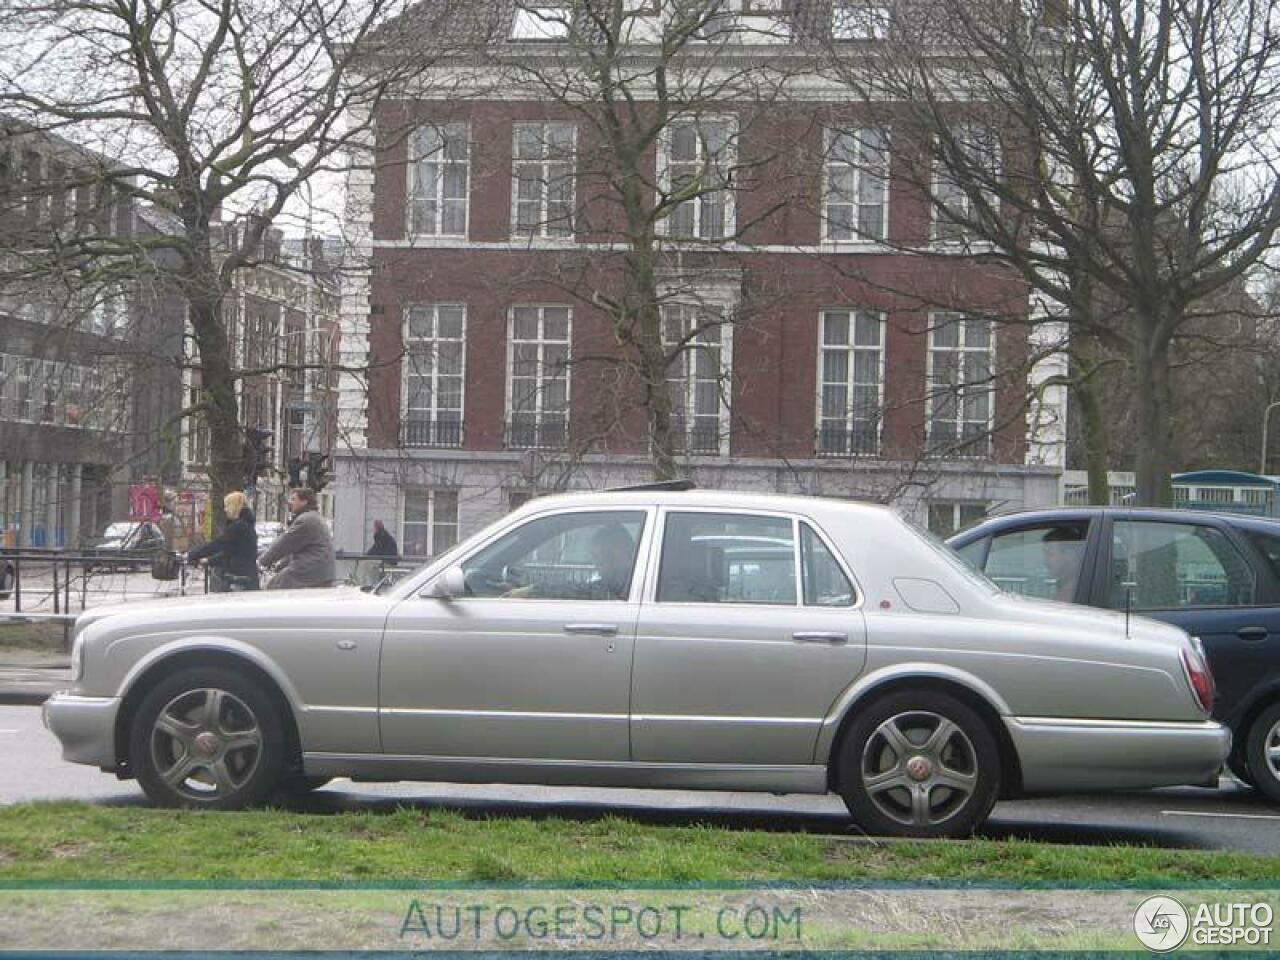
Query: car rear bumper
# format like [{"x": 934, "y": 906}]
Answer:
[
  {"x": 1059, "y": 754},
  {"x": 85, "y": 726}
]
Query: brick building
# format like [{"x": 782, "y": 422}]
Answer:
[{"x": 813, "y": 347}]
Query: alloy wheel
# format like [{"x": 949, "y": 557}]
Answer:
[
  {"x": 206, "y": 744},
  {"x": 919, "y": 768}
]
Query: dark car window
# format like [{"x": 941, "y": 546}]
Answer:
[
  {"x": 1042, "y": 561},
  {"x": 825, "y": 584},
  {"x": 1267, "y": 544},
  {"x": 727, "y": 558},
  {"x": 565, "y": 556},
  {"x": 1165, "y": 566}
]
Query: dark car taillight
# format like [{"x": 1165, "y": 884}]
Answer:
[{"x": 1199, "y": 676}]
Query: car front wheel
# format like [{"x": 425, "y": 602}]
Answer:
[
  {"x": 1262, "y": 752},
  {"x": 919, "y": 764},
  {"x": 208, "y": 738}
]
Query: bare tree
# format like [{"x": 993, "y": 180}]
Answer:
[
  {"x": 1119, "y": 155},
  {"x": 204, "y": 107}
]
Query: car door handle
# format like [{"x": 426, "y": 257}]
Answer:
[
  {"x": 1252, "y": 634},
  {"x": 592, "y": 629},
  {"x": 819, "y": 636}
]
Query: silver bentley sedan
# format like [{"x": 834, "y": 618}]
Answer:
[{"x": 651, "y": 638}]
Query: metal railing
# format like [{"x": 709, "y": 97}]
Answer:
[{"x": 431, "y": 433}]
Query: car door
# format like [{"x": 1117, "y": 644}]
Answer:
[
  {"x": 1198, "y": 576},
  {"x": 754, "y": 627},
  {"x": 534, "y": 662}
]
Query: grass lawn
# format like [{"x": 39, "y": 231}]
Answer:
[
  {"x": 78, "y": 842},
  {"x": 32, "y": 637}
]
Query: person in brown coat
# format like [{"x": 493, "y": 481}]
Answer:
[{"x": 305, "y": 548}]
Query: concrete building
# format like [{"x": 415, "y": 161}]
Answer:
[{"x": 481, "y": 366}]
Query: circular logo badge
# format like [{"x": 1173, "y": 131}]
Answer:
[{"x": 1161, "y": 923}]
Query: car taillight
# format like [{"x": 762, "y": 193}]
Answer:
[{"x": 1198, "y": 674}]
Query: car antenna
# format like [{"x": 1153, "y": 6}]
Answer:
[{"x": 1128, "y": 606}]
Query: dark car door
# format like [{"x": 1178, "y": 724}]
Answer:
[{"x": 1202, "y": 576}]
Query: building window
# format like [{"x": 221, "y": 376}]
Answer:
[
  {"x": 435, "y": 356},
  {"x": 859, "y": 21},
  {"x": 699, "y": 158},
  {"x": 850, "y": 382},
  {"x": 538, "y": 395},
  {"x": 857, "y": 178},
  {"x": 946, "y": 518},
  {"x": 697, "y": 378},
  {"x": 440, "y": 174},
  {"x": 430, "y": 521},
  {"x": 543, "y": 21},
  {"x": 966, "y": 168},
  {"x": 543, "y": 169},
  {"x": 960, "y": 385}
]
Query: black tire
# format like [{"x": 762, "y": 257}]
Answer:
[
  {"x": 959, "y": 777},
  {"x": 1262, "y": 752},
  {"x": 1239, "y": 767},
  {"x": 299, "y": 785},
  {"x": 192, "y": 758}
]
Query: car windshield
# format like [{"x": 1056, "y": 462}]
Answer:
[
  {"x": 118, "y": 531},
  {"x": 950, "y": 556}
]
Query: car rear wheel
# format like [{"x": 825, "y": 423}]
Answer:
[
  {"x": 1262, "y": 752},
  {"x": 208, "y": 738},
  {"x": 919, "y": 764}
]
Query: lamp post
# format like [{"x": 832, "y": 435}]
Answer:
[{"x": 1266, "y": 419}]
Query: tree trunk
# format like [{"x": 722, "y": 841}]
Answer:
[
  {"x": 1154, "y": 443},
  {"x": 1093, "y": 437},
  {"x": 221, "y": 413}
]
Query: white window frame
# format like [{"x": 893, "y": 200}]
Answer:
[
  {"x": 540, "y": 376},
  {"x": 542, "y": 229},
  {"x": 689, "y": 381},
  {"x": 858, "y": 172},
  {"x": 541, "y": 22},
  {"x": 943, "y": 230},
  {"x": 852, "y": 349},
  {"x": 438, "y": 161},
  {"x": 405, "y": 393},
  {"x": 973, "y": 450},
  {"x": 852, "y": 20},
  {"x": 430, "y": 492},
  {"x": 664, "y": 178}
]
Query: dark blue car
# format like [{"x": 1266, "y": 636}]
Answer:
[{"x": 1215, "y": 575}]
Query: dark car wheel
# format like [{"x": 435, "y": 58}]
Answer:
[
  {"x": 1262, "y": 752},
  {"x": 919, "y": 764},
  {"x": 208, "y": 738}
]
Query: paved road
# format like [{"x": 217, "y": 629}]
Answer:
[{"x": 1231, "y": 818}]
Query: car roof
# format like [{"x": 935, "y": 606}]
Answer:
[
  {"x": 705, "y": 498},
  {"x": 1019, "y": 517}
]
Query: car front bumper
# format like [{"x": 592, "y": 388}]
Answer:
[
  {"x": 1060, "y": 754},
  {"x": 85, "y": 726}
]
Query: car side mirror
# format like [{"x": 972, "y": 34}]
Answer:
[{"x": 448, "y": 586}]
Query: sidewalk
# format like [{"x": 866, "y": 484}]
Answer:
[{"x": 27, "y": 677}]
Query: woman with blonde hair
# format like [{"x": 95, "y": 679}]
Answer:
[{"x": 234, "y": 552}]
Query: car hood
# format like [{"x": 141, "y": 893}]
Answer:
[
  {"x": 1108, "y": 623},
  {"x": 225, "y": 606}
]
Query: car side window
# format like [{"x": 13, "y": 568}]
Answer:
[
  {"x": 825, "y": 584},
  {"x": 975, "y": 553},
  {"x": 727, "y": 558},
  {"x": 1162, "y": 566},
  {"x": 565, "y": 556},
  {"x": 1043, "y": 561}
]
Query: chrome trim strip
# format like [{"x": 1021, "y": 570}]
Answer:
[
  {"x": 503, "y": 714},
  {"x": 696, "y": 718},
  {"x": 1114, "y": 724}
]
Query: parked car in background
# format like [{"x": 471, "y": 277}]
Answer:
[
  {"x": 129, "y": 539},
  {"x": 1217, "y": 576},
  {"x": 268, "y": 532},
  {"x": 651, "y": 638}
]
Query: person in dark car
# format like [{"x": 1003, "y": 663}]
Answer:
[{"x": 234, "y": 552}]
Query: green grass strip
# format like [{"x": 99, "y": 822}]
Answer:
[{"x": 76, "y": 843}]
